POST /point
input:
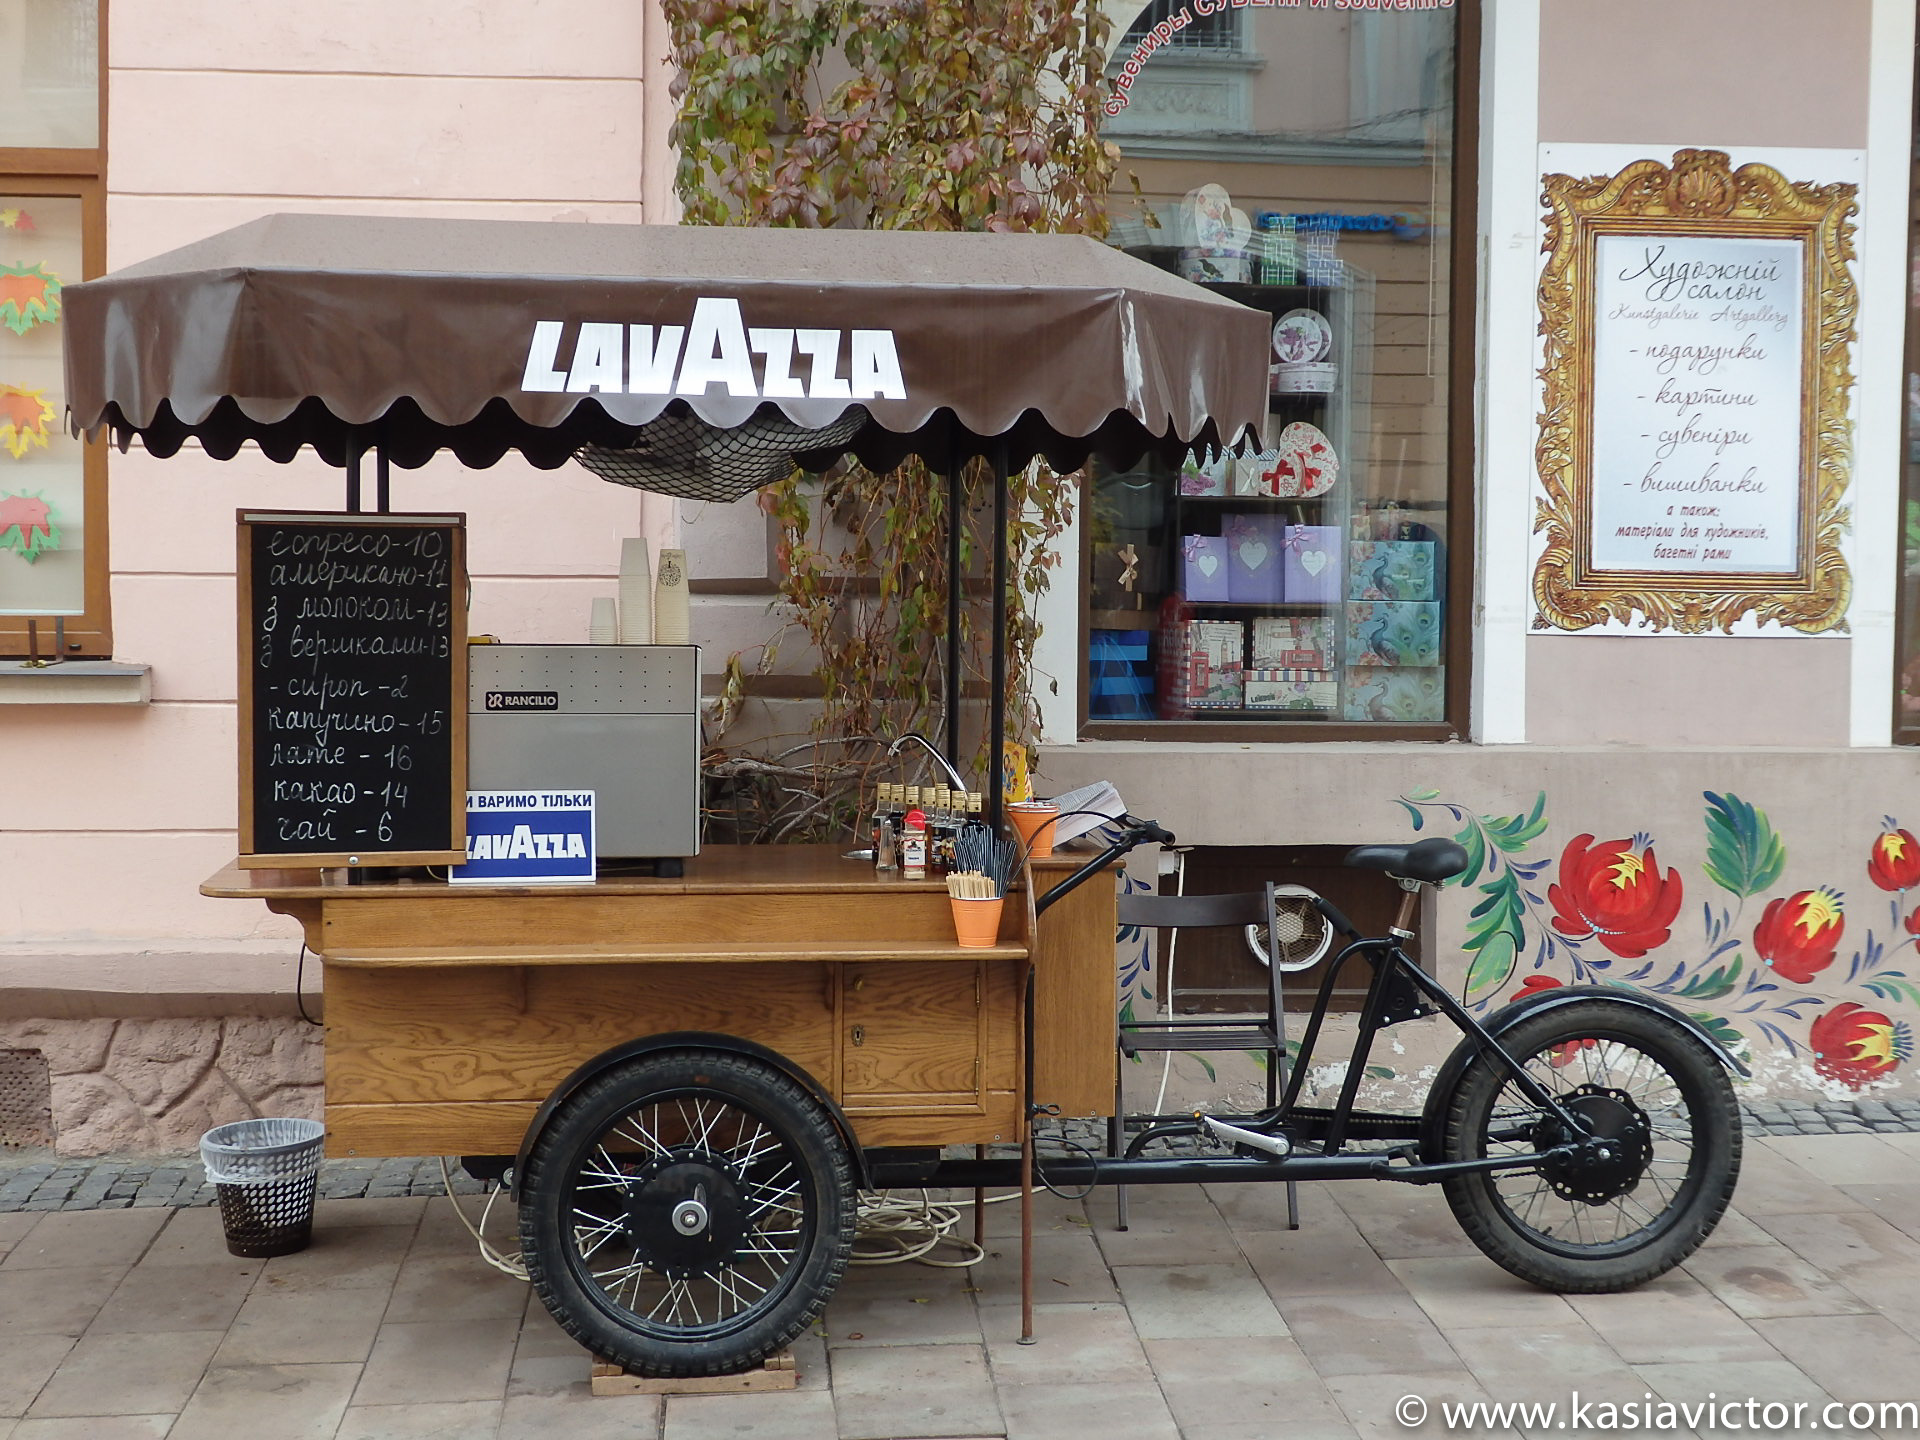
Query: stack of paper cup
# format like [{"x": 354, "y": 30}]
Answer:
[
  {"x": 672, "y": 611},
  {"x": 636, "y": 593},
  {"x": 603, "y": 627}
]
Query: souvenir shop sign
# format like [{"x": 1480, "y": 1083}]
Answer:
[{"x": 1692, "y": 450}]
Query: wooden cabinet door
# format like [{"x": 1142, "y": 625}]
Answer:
[{"x": 912, "y": 1036}]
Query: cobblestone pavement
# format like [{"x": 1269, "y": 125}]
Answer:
[{"x": 39, "y": 1180}]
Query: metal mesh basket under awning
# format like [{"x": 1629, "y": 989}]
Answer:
[{"x": 682, "y": 455}]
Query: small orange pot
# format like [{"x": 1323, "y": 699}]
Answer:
[
  {"x": 1033, "y": 819},
  {"x": 976, "y": 922}
]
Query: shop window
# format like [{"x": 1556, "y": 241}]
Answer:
[
  {"x": 53, "y": 552},
  {"x": 1906, "y": 715},
  {"x": 1313, "y": 590}
]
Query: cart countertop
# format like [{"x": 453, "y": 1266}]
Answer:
[{"x": 716, "y": 869}]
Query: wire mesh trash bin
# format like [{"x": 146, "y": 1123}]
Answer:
[{"x": 265, "y": 1172}]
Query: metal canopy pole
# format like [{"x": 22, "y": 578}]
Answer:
[
  {"x": 997, "y": 718},
  {"x": 955, "y": 582},
  {"x": 353, "y": 478},
  {"x": 381, "y": 500}
]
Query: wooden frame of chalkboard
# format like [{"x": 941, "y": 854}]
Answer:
[{"x": 353, "y": 689}]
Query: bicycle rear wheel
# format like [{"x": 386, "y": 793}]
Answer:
[{"x": 1637, "y": 1205}]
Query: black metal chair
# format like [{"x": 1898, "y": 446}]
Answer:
[{"x": 1262, "y": 1033}]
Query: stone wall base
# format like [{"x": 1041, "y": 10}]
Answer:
[{"x": 123, "y": 1085}]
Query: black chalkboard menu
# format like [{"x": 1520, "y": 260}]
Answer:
[{"x": 353, "y": 689}]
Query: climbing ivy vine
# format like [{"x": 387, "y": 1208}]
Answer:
[{"x": 950, "y": 116}]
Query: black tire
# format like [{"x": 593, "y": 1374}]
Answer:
[
  {"x": 687, "y": 1213},
  {"x": 1632, "y": 1074}
]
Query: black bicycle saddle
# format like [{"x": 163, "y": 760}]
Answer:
[{"x": 1428, "y": 860}]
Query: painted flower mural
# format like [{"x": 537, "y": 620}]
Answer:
[
  {"x": 1608, "y": 918},
  {"x": 1612, "y": 891},
  {"x": 1799, "y": 935},
  {"x": 1895, "y": 861},
  {"x": 1857, "y": 1046}
]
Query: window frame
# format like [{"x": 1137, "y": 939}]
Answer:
[
  {"x": 1906, "y": 635},
  {"x": 75, "y": 174},
  {"x": 1462, "y": 519}
]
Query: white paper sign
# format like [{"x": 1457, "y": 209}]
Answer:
[{"x": 1697, "y": 453}]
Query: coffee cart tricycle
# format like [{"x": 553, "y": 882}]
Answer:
[{"x": 689, "y": 1075}]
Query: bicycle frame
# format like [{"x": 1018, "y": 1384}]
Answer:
[{"x": 1399, "y": 990}]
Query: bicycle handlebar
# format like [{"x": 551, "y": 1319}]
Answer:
[{"x": 1138, "y": 832}]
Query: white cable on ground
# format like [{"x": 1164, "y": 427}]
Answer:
[
  {"x": 506, "y": 1264},
  {"x": 890, "y": 1229}
]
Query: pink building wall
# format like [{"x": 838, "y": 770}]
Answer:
[{"x": 219, "y": 113}]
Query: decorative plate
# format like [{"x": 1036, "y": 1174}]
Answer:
[
  {"x": 1314, "y": 463},
  {"x": 1302, "y": 336}
]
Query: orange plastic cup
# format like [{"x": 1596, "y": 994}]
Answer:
[
  {"x": 1033, "y": 819},
  {"x": 976, "y": 922}
]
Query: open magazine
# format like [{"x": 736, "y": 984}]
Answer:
[{"x": 1086, "y": 809}]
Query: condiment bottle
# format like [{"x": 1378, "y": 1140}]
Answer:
[
  {"x": 913, "y": 844},
  {"x": 885, "y": 854}
]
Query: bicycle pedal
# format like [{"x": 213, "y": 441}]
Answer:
[{"x": 1276, "y": 1145}]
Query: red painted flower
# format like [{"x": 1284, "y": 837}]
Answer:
[
  {"x": 1913, "y": 923},
  {"x": 1895, "y": 862},
  {"x": 1613, "y": 891},
  {"x": 1797, "y": 936},
  {"x": 1560, "y": 1054},
  {"x": 1857, "y": 1046}
]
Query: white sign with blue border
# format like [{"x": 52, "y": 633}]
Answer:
[{"x": 527, "y": 837}]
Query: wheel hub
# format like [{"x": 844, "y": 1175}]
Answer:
[
  {"x": 1609, "y": 1155},
  {"x": 685, "y": 1214}
]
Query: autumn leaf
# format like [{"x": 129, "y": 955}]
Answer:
[
  {"x": 29, "y": 296},
  {"x": 26, "y": 526},
  {"x": 24, "y": 417}
]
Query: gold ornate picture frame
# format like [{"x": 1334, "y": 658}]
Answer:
[{"x": 1694, "y": 441}]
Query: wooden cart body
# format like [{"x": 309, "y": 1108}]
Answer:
[{"x": 452, "y": 1011}]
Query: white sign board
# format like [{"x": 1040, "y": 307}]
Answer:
[{"x": 1697, "y": 383}]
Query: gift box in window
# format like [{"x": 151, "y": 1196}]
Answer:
[
  {"x": 1393, "y": 632},
  {"x": 1212, "y": 667},
  {"x": 1310, "y": 564},
  {"x": 1253, "y": 558},
  {"x": 1203, "y": 568},
  {"x": 1408, "y": 697},
  {"x": 1291, "y": 642},
  {"x": 1208, "y": 474},
  {"x": 1128, "y": 573},
  {"x": 1292, "y": 690},
  {"x": 1119, "y": 675},
  {"x": 1261, "y": 474},
  {"x": 1390, "y": 570}
]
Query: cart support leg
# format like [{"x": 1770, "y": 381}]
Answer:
[
  {"x": 1026, "y": 1235},
  {"x": 980, "y": 1205}
]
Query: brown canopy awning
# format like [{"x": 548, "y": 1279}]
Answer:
[{"x": 406, "y": 336}]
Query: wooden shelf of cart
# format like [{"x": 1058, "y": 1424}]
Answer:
[{"x": 452, "y": 1012}]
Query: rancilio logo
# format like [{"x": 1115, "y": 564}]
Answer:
[{"x": 714, "y": 347}]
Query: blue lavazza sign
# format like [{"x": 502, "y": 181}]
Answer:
[{"x": 528, "y": 837}]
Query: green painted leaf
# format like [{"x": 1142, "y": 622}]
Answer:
[
  {"x": 1496, "y": 934},
  {"x": 1896, "y": 987},
  {"x": 1720, "y": 982},
  {"x": 1492, "y": 963},
  {"x": 1722, "y": 1029},
  {"x": 1744, "y": 855},
  {"x": 1476, "y": 849},
  {"x": 1424, "y": 793},
  {"x": 1419, "y": 820}
]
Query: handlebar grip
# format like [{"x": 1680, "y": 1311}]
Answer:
[
  {"x": 1334, "y": 918},
  {"x": 1149, "y": 831}
]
